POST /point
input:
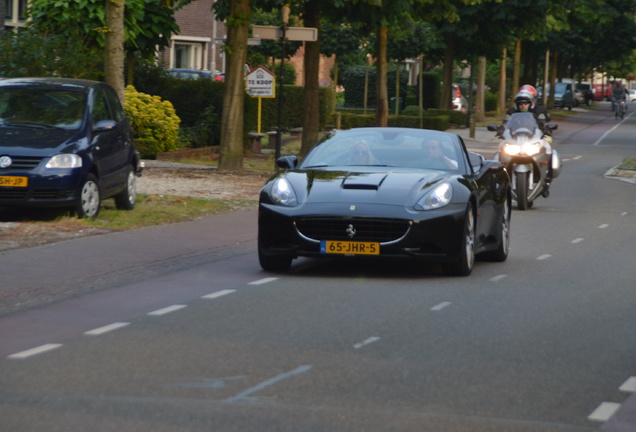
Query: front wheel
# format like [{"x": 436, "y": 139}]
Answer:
[
  {"x": 503, "y": 247},
  {"x": 465, "y": 262},
  {"x": 125, "y": 200},
  {"x": 89, "y": 203},
  {"x": 274, "y": 263},
  {"x": 521, "y": 190}
]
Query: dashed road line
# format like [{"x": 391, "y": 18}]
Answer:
[
  {"x": 35, "y": 351},
  {"x": 166, "y": 310},
  {"x": 218, "y": 294},
  {"x": 498, "y": 278},
  {"x": 366, "y": 342},
  {"x": 106, "y": 329},
  {"x": 604, "y": 411},
  {"x": 543, "y": 257},
  {"x": 629, "y": 386},
  {"x": 440, "y": 306},
  {"x": 263, "y": 281},
  {"x": 577, "y": 240}
]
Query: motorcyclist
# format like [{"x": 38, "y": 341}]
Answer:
[
  {"x": 526, "y": 101},
  {"x": 618, "y": 94}
]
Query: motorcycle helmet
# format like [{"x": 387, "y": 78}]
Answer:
[
  {"x": 532, "y": 91},
  {"x": 524, "y": 96}
]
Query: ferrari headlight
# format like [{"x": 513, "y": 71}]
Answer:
[
  {"x": 512, "y": 149},
  {"x": 283, "y": 193},
  {"x": 440, "y": 196},
  {"x": 65, "y": 160}
]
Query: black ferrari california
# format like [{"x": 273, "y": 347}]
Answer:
[{"x": 386, "y": 192}]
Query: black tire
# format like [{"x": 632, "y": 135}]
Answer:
[
  {"x": 589, "y": 102},
  {"x": 90, "y": 200},
  {"x": 274, "y": 263},
  {"x": 125, "y": 200},
  {"x": 503, "y": 247},
  {"x": 465, "y": 262},
  {"x": 521, "y": 190}
]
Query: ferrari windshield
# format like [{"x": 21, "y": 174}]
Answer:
[
  {"x": 388, "y": 147},
  {"x": 23, "y": 106}
]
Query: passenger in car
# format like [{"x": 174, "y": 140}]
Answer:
[{"x": 433, "y": 155}]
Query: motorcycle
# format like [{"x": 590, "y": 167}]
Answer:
[
  {"x": 621, "y": 107},
  {"x": 523, "y": 151}
]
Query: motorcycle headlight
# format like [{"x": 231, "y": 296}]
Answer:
[
  {"x": 531, "y": 149},
  {"x": 65, "y": 160},
  {"x": 512, "y": 149},
  {"x": 283, "y": 193},
  {"x": 436, "y": 198}
]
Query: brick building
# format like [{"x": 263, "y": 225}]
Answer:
[{"x": 194, "y": 47}]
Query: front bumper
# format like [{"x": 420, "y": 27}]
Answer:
[{"x": 430, "y": 235}]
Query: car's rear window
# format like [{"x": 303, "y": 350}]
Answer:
[{"x": 31, "y": 106}]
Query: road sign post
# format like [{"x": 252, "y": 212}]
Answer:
[
  {"x": 261, "y": 83},
  {"x": 284, "y": 33}
]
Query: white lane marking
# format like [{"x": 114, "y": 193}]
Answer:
[
  {"x": 577, "y": 240},
  {"x": 263, "y": 281},
  {"x": 245, "y": 393},
  {"x": 498, "y": 278},
  {"x": 624, "y": 213},
  {"x": 106, "y": 328},
  {"x": 604, "y": 411},
  {"x": 607, "y": 133},
  {"x": 366, "y": 342},
  {"x": 603, "y": 226},
  {"x": 218, "y": 294},
  {"x": 629, "y": 386},
  {"x": 440, "y": 306},
  {"x": 543, "y": 257},
  {"x": 576, "y": 157},
  {"x": 166, "y": 310},
  {"x": 34, "y": 351}
]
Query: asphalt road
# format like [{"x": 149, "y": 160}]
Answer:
[{"x": 177, "y": 328}]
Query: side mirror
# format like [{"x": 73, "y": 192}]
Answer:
[
  {"x": 105, "y": 125},
  {"x": 476, "y": 161},
  {"x": 552, "y": 126},
  {"x": 287, "y": 162}
]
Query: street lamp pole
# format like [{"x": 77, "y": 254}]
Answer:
[{"x": 283, "y": 39}]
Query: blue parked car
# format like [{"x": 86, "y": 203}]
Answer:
[{"x": 65, "y": 143}]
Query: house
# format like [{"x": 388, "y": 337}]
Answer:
[
  {"x": 14, "y": 13},
  {"x": 199, "y": 42}
]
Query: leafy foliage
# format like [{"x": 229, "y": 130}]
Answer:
[
  {"x": 154, "y": 122},
  {"x": 28, "y": 53}
]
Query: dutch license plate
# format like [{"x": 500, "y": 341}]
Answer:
[
  {"x": 14, "y": 181},
  {"x": 349, "y": 247}
]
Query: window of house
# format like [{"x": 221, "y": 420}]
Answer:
[
  {"x": 187, "y": 56},
  {"x": 14, "y": 10}
]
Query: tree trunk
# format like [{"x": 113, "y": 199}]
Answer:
[
  {"x": 114, "y": 46},
  {"x": 311, "y": 111},
  {"x": 231, "y": 146},
  {"x": 516, "y": 73},
  {"x": 501, "y": 106},
  {"x": 481, "y": 92},
  {"x": 382, "y": 92},
  {"x": 447, "y": 72}
]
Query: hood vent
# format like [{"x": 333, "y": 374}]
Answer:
[{"x": 367, "y": 181}]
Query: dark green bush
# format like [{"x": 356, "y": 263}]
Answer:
[{"x": 354, "y": 79}]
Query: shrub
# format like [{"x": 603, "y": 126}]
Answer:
[{"x": 154, "y": 122}]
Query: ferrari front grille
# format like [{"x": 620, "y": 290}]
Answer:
[{"x": 330, "y": 228}]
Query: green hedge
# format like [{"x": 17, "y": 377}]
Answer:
[
  {"x": 199, "y": 105},
  {"x": 354, "y": 78},
  {"x": 439, "y": 122}
]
